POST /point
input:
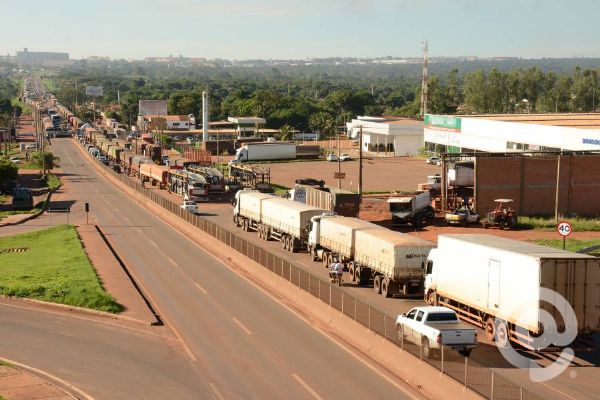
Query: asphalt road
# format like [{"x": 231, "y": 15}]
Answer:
[{"x": 242, "y": 342}]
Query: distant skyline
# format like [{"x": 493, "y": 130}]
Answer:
[{"x": 285, "y": 29}]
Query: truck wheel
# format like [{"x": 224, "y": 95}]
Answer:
[
  {"x": 377, "y": 284},
  {"x": 501, "y": 226},
  {"x": 294, "y": 244},
  {"x": 266, "y": 233},
  {"x": 313, "y": 253},
  {"x": 512, "y": 222},
  {"x": 465, "y": 352},
  {"x": 490, "y": 329},
  {"x": 246, "y": 226},
  {"x": 425, "y": 348},
  {"x": 385, "y": 288},
  {"x": 324, "y": 259},
  {"x": 502, "y": 337}
]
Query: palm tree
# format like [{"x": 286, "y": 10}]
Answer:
[{"x": 45, "y": 161}]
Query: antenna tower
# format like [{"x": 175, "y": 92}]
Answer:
[{"x": 424, "y": 83}]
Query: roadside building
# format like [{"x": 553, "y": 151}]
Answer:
[
  {"x": 391, "y": 136},
  {"x": 247, "y": 126}
]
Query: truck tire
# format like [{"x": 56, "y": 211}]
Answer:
[
  {"x": 246, "y": 225},
  {"x": 294, "y": 244},
  {"x": 502, "y": 336},
  {"x": 283, "y": 242},
  {"x": 377, "y": 284},
  {"x": 490, "y": 329},
  {"x": 325, "y": 259},
  {"x": 385, "y": 288},
  {"x": 313, "y": 253}
]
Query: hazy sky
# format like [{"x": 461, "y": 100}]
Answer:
[{"x": 242, "y": 29}]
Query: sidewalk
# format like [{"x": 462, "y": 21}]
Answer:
[{"x": 17, "y": 384}]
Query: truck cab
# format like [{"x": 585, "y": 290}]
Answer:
[{"x": 314, "y": 245}]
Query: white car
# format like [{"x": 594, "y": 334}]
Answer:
[
  {"x": 331, "y": 157},
  {"x": 434, "y": 161},
  {"x": 190, "y": 206},
  {"x": 345, "y": 157},
  {"x": 15, "y": 160},
  {"x": 32, "y": 146}
]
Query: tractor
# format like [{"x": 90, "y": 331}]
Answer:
[{"x": 502, "y": 216}]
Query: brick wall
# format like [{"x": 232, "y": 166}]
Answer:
[{"x": 531, "y": 182}]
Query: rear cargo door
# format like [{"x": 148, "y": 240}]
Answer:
[{"x": 493, "y": 284}]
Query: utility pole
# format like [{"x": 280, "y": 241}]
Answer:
[
  {"x": 338, "y": 159},
  {"x": 360, "y": 163},
  {"x": 425, "y": 76},
  {"x": 557, "y": 187}
]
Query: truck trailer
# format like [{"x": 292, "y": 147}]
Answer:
[
  {"x": 261, "y": 151},
  {"x": 494, "y": 283},
  {"x": 393, "y": 261},
  {"x": 342, "y": 202},
  {"x": 156, "y": 174},
  {"x": 414, "y": 209},
  {"x": 274, "y": 218}
]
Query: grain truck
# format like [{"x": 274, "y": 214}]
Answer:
[
  {"x": 274, "y": 218},
  {"x": 265, "y": 151},
  {"x": 333, "y": 236},
  {"x": 156, "y": 174},
  {"x": 342, "y": 202},
  {"x": 495, "y": 283},
  {"x": 393, "y": 261}
]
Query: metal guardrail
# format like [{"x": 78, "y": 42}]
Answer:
[{"x": 471, "y": 374}]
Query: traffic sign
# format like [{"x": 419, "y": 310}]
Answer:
[
  {"x": 564, "y": 228},
  {"x": 339, "y": 175}
]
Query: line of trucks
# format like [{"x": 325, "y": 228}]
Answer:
[{"x": 491, "y": 282}]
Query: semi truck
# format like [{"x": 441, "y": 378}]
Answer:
[
  {"x": 274, "y": 218},
  {"x": 393, "y": 261},
  {"x": 156, "y": 174},
  {"x": 333, "y": 236},
  {"x": 414, "y": 209},
  {"x": 188, "y": 185},
  {"x": 261, "y": 151},
  {"x": 495, "y": 284},
  {"x": 342, "y": 202}
]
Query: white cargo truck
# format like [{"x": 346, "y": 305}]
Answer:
[
  {"x": 334, "y": 236},
  {"x": 494, "y": 283},
  {"x": 393, "y": 261},
  {"x": 275, "y": 218},
  {"x": 262, "y": 151},
  {"x": 414, "y": 209}
]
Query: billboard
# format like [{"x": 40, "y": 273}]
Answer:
[
  {"x": 95, "y": 91},
  {"x": 153, "y": 107}
]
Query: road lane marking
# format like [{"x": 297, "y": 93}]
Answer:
[
  {"x": 153, "y": 244},
  {"x": 216, "y": 391},
  {"x": 138, "y": 230},
  {"x": 127, "y": 220},
  {"x": 242, "y": 326},
  {"x": 201, "y": 288},
  {"x": 172, "y": 261},
  {"x": 308, "y": 388}
]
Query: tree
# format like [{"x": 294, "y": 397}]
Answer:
[
  {"x": 8, "y": 172},
  {"x": 45, "y": 161},
  {"x": 474, "y": 92},
  {"x": 286, "y": 132}
]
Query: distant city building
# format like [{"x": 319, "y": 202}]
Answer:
[{"x": 43, "y": 58}]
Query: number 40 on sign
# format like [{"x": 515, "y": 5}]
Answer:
[{"x": 564, "y": 229}]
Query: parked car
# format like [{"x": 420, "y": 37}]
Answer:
[
  {"x": 103, "y": 160},
  {"x": 331, "y": 157},
  {"x": 15, "y": 160},
  {"x": 190, "y": 206},
  {"x": 434, "y": 161},
  {"x": 345, "y": 157},
  {"x": 32, "y": 146},
  {"x": 431, "y": 327},
  {"x": 462, "y": 216}
]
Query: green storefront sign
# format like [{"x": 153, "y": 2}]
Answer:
[{"x": 443, "y": 121}]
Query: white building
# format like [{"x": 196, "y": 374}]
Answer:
[
  {"x": 247, "y": 126},
  {"x": 512, "y": 132},
  {"x": 388, "y": 135}
]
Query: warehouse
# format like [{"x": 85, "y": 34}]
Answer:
[
  {"x": 389, "y": 136},
  {"x": 511, "y": 132}
]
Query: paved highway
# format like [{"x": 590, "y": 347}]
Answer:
[{"x": 242, "y": 342}]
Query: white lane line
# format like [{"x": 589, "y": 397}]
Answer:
[
  {"x": 172, "y": 261},
  {"x": 127, "y": 220},
  {"x": 153, "y": 244},
  {"x": 138, "y": 230},
  {"x": 200, "y": 288},
  {"x": 218, "y": 394},
  {"x": 308, "y": 388},
  {"x": 242, "y": 326}
]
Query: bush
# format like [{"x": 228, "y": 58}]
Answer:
[{"x": 8, "y": 171}]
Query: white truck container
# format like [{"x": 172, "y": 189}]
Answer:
[
  {"x": 394, "y": 261},
  {"x": 414, "y": 209},
  {"x": 265, "y": 151},
  {"x": 274, "y": 217},
  {"x": 494, "y": 283},
  {"x": 334, "y": 236},
  {"x": 461, "y": 176}
]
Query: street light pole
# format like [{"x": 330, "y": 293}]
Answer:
[{"x": 360, "y": 163}]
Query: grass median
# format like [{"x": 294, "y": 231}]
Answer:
[
  {"x": 571, "y": 244},
  {"x": 549, "y": 224},
  {"x": 53, "y": 267}
]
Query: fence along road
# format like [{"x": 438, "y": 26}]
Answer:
[{"x": 237, "y": 338}]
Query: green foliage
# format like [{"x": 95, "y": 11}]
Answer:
[
  {"x": 54, "y": 268},
  {"x": 578, "y": 224},
  {"x": 45, "y": 160},
  {"x": 8, "y": 171},
  {"x": 52, "y": 181},
  {"x": 571, "y": 244}
]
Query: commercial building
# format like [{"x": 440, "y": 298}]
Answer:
[
  {"x": 247, "y": 126},
  {"x": 43, "y": 58},
  {"x": 392, "y": 136},
  {"x": 511, "y": 132}
]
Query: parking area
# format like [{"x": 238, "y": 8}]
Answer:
[{"x": 400, "y": 174}]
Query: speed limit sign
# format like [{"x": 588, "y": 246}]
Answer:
[{"x": 564, "y": 228}]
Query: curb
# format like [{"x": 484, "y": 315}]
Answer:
[
  {"x": 37, "y": 214},
  {"x": 75, "y": 309},
  {"x": 50, "y": 379}
]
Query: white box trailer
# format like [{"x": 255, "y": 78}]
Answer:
[
  {"x": 266, "y": 151},
  {"x": 334, "y": 236},
  {"x": 248, "y": 207},
  {"x": 394, "y": 261},
  {"x": 495, "y": 284}
]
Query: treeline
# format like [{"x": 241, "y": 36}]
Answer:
[{"x": 322, "y": 97}]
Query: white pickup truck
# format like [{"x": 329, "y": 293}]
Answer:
[{"x": 430, "y": 327}]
